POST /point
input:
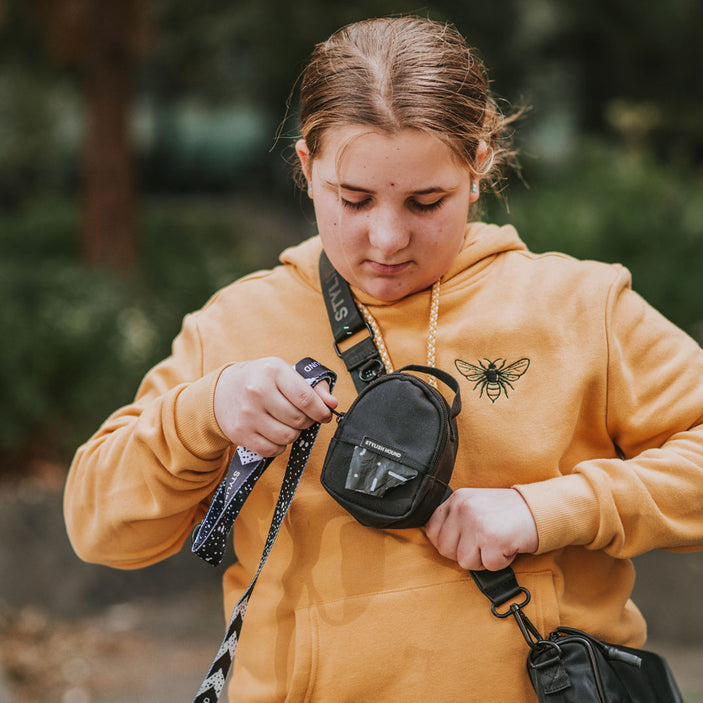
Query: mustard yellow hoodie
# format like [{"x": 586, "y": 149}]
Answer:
[{"x": 343, "y": 612}]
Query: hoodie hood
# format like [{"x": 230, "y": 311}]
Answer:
[{"x": 482, "y": 242}]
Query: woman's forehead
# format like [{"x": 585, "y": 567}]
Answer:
[{"x": 365, "y": 154}]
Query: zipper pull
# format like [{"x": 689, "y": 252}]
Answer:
[{"x": 626, "y": 657}]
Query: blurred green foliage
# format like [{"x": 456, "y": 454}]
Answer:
[
  {"x": 612, "y": 157},
  {"x": 77, "y": 340},
  {"x": 619, "y": 205}
]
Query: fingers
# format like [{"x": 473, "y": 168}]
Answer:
[
  {"x": 452, "y": 531},
  {"x": 264, "y": 446},
  {"x": 323, "y": 390},
  {"x": 264, "y": 404},
  {"x": 303, "y": 404},
  {"x": 270, "y": 439},
  {"x": 482, "y": 528}
]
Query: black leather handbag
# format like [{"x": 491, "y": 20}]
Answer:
[{"x": 571, "y": 666}]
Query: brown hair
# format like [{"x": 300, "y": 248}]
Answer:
[{"x": 406, "y": 72}]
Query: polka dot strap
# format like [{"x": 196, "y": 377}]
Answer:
[
  {"x": 210, "y": 536},
  {"x": 213, "y": 684}
]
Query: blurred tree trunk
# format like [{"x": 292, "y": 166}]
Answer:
[
  {"x": 109, "y": 236},
  {"x": 104, "y": 38}
]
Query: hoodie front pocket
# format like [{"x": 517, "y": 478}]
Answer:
[
  {"x": 432, "y": 643},
  {"x": 305, "y": 653}
]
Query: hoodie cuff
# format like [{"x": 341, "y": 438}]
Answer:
[
  {"x": 565, "y": 510},
  {"x": 195, "y": 421}
]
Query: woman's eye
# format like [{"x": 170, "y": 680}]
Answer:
[
  {"x": 356, "y": 204},
  {"x": 425, "y": 207}
]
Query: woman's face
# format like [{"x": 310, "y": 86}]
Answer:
[{"x": 391, "y": 210}]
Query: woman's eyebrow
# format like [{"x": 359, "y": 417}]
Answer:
[
  {"x": 423, "y": 191},
  {"x": 348, "y": 186},
  {"x": 432, "y": 190}
]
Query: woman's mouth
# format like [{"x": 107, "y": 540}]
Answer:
[{"x": 388, "y": 269}]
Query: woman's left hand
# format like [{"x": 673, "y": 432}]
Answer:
[{"x": 483, "y": 528}]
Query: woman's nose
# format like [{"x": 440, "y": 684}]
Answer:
[{"x": 388, "y": 232}]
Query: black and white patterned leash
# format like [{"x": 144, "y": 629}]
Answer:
[{"x": 210, "y": 536}]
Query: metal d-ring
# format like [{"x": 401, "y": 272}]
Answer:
[
  {"x": 540, "y": 647},
  {"x": 514, "y": 606}
]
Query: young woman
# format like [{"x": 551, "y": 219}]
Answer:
[{"x": 581, "y": 441}]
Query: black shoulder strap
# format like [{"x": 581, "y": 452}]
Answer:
[
  {"x": 361, "y": 359},
  {"x": 502, "y": 586}
]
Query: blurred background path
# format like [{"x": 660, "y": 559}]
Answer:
[{"x": 75, "y": 633}]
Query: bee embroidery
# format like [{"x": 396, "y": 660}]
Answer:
[{"x": 494, "y": 377}]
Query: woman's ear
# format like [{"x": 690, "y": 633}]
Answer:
[
  {"x": 481, "y": 154},
  {"x": 301, "y": 149}
]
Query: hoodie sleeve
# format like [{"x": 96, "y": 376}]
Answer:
[
  {"x": 135, "y": 489},
  {"x": 652, "y": 496}
]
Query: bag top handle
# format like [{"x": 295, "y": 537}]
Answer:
[{"x": 443, "y": 376}]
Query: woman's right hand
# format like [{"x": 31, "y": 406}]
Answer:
[
  {"x": 264, "y": 404},
  {"x": 483, "y": 528}
]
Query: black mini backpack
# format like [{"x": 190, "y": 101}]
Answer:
[{"x": 392, "y": 456}]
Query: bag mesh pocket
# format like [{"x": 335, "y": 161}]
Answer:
[{"x": 374, "y": 474}]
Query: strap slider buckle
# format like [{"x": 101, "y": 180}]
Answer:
[{"x": 350, "y": 332}]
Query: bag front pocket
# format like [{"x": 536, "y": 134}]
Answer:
[
  {"x": 376, "y": 490},
  {"x": 373, "y": 472}
]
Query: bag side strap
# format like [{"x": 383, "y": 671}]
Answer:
[
  {"x": 246, "y": 467},
  {"x": 502, "y": 586},
  {"x": 362, "y": 359},
  {"x": 498, "y": 586}
]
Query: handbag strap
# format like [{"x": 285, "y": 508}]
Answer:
[
  {"x": 362, "y": 359},
  {"x": 499, "y": 587},
  {"x": 502, "y": 586},
  {"x": 364, "y": 363},
  {"x": 211, "y": 534},
  {"x": 246, "y": 467}
]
